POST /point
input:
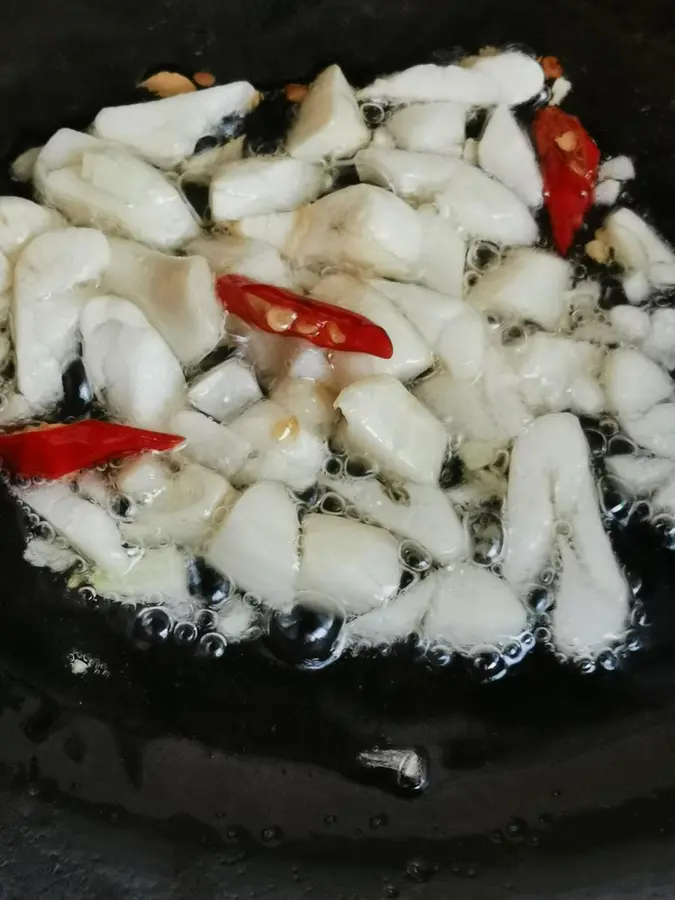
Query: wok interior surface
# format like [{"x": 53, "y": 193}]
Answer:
[{"x": 240, "y": 753}]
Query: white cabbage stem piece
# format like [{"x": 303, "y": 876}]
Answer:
[
  {"x": 129, "y": 365},
  {"x": 429, "y": 127},
  {"x": 640, "y": 392},
  {"x": 472, "y": 607},
  {"x": 428, "y": 311},
  {"x": 22, "y": 220},
  {"x": 96, "y": 183},
  {"x": 653, "y": 333},
  {"x": 510, "y": 78},
  {"x": 225, "y": 390},
  {"x": 640, "y": 250},
  {"x": 360, "y": 226},
  {"x": 309, "y": 401},
  {"x": 176, "y": 294},
  {"x": 619, "y": 168},
  {"x": 200, "y": 168},
  {"x": 424, "y": 514},
  {"x": 640, "y": 475},
  {"x": 165, "y": 131},
  {"x": 329, "y": 124},
  {"x": 411, "y": 356},
  {"x": 401, "y": 617},
  {"x": 183, "y": 511},
  {"x": 54, "y": 277},
  {"x": 84, "y": 525},
  {"x": 529, "y": 284},
  {"x": 355, "y": 565},
  {"x": 255, "y": 259},
  {"x": 212, "y": 445},
  {"x": 558, "y": 373},
  {"x": 440, "y": 266},
  {"x": 282, "y": 448},
  {"x": 237, "y": 621},
  {"x": 264, "y": 184},
  {"x": 506, "y": 152},
  {"x": 144, "y": 477},
  {"x": 550, "y": 482},
  {"x": 387, "y": 424},
  {"x": 476, "y": 204},
  {"x": 159, "y": 573},
  {"x": 257, "y": 544}
]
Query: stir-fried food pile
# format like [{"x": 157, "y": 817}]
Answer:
[{"x": 367, "y": 397}]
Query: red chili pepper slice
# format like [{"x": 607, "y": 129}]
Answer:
[
  {"x": 569, "y": 160},
  {"x": 285, "y": 313},
  {"x": 52, "y": 451}
]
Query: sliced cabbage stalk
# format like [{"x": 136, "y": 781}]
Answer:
[
  {"x": 630, "y": 324},
  {"x": 85, "y": 526},
  {"x": 510, "y": 78},
  {"x": 92, "y": 485},
  {"x": 329, "y": 124},
  {"x": 15, "y": 409},
  {"x": 472, "y": 607},
  {"x": 360, "y": 226},
  {"x": 160, "y": 574},
  {"x": 664, "y": 498},
  {"x": 129, "y": 365},
  {"x": 429, "y": 311},
  {"x": 424, "y": 515},
  {"x": 636, "y": 286},
  {"x": 257, "y": 544},
  {"x": 238, "y": 620},
  {"x": 264, "y": 184},
  {"x": 560, "y": 373},
  {"x": 6, "y": 279},
  {"x": 395, "y": 621},
  {"x": 429, "y": 127},
  {"x": 529, "y": 284},
  {"x": 224, "y": 391},
  {"x": 216, "y": 446},
  {"x": 47, "y": 554},
  {"x": 283, "y": 449},
  {"x": 620, "y": 168},
  {"x": 309, "y": 401},
  {"x": 353, "y": 564},
  {"x": 640, "y": 475},
  {"x": 442, "y": 255},
  {"x": 142, "y": 478},
  {"x": 411, "y": 356},
  {"x": 588, "y": 617},
  {"x": 23, "y": 165},
  {"x": 166, "y": 131},
  {"x": 200, "y": 168},
  {"x": 49, "y": 292},
  {"x": 414, "y": 176},
  {"x": 636, "y": 245},
  {"x": 463, "y": 344},
  {"x": 254, "y": 259},
  {"x": 182, "y": 512},
  {"x": 22, "y": 220},
  {"x": 175, "y": 293},
  {"x": 550, "y": 481},
  {"x": 506, "y": 152},
  {"x": 387, "y": 424},
  {"x": 659, "y": 344},
  {"x": 607, "y": 192},
  {"x": 95, "y": 183}
]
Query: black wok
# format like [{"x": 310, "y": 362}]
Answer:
[{"x": 169, "y": 776}]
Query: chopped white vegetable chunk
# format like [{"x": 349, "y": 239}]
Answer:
[
  {"x": 283, "y": 449},
  {"x": 640, "y": 474},
  {"x": 21, "y": 221},
  {"x": 86, "y": 526},
  {"x": 442, "y": 255},
  {"x": 329, "y": 123},
  {"x": 254, "y": 259},
  {"x": 662, "y": 274},
  {"x": 175, "y": 293},
  {"x": 631, "y": 324},
  {"x": 183, "y": 511},
  {"x": 200, "y": 168},
  {"x": 215, "y": 446},
  {"x": 659, "y": 343},
  {"x": 429, "y": 127},
  {"x": 607, "y": 192},
  {"x": 636, "y": 287},
  {"x": 395, "y": 621},
  {"x": 49, "y": 555},
  {"x": 472, "y": 607},
  {"x": 353, "y": 564},
  {"x": 529, "y": 284},
  {"x": 129, "y": 365},
  {"x": 96, "y": 183},
  {"x": 48, "y": 296},
  {"x": 237, "y": 620},
  {"x": 559, "y": 90},
  {"x": 257, "y": 544},
  {"x": 389, "y": 425},
  {"x": 424, "y": 515},
  {"x": 636, "y": 245},
  {"x": 160, "y": 574},
  {"x": 506, "y": 152},
  {"x": 411, "y": 356},
  {"x": 429, "y": 311},
  {"x": 509, "y": 78},
  {"x": 166, "y": 131},
  {"x": 263, "y": 184},
  {"x": 620, "y": 168},
  {"x": 225, "y": 390},
  {"x": 143, "y": 477},
  {"x": 23, "y": 165},
  {"x": 311, "y": 402}
]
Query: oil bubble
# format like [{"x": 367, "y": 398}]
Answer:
[
  {"x": 153, "y": 624},
  {"x": 212, "y": 645}
]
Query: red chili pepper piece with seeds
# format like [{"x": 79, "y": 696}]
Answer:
[
  {"x": 569, "y": 160},
  {"x": 278, "y": 311},
  {"x": 52, "y": 451}
]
